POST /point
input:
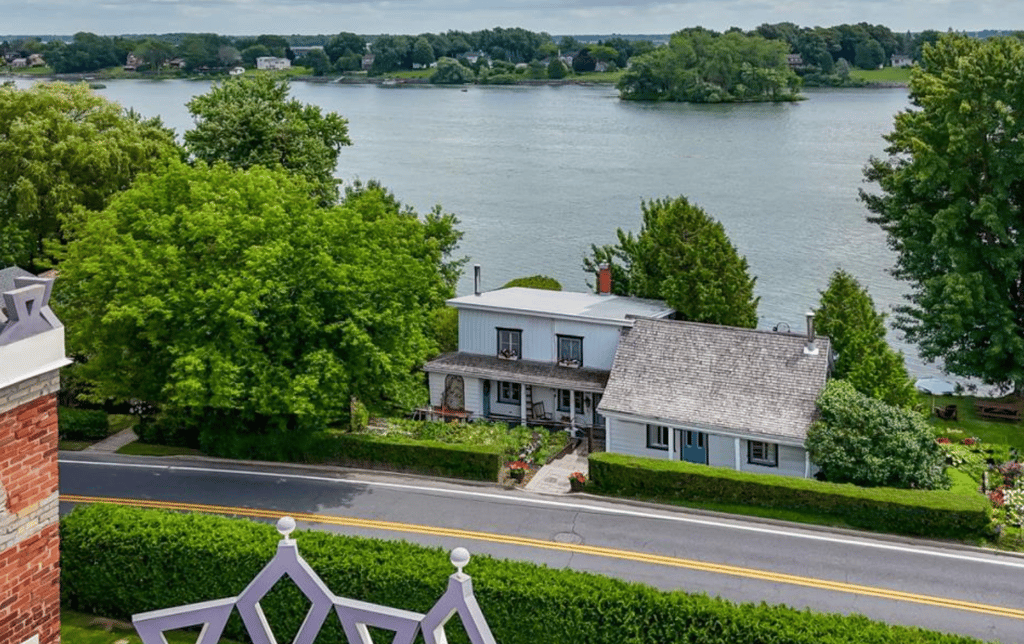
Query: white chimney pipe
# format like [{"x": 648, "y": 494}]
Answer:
[
  {"x": 476, "y": 279},
  {"x": 811, "y": 349}
]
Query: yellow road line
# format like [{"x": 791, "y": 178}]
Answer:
[{"x": 597, "y": 551}]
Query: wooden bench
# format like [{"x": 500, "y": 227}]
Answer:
[{"x": 997, "y": 410}]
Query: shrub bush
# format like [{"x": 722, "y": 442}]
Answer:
[
  {"x": 865, "y": 441},
  {"x": 474, "y": 462},
  {"x": 929, "y": 513},
  {"x": 82, "y": 424},
  {"x": 118, "y": 561}
]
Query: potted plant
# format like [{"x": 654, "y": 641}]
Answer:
[
  {"x": 576, "y": 481},
  {"x": 517, "y": 470}
]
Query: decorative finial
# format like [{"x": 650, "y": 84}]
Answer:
[
  {"x": 285, "y": 525},
  {"x": 459, "y": 559}
]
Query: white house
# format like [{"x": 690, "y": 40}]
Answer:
[
  {"x": 533, "y": 356},
  {"x": 722, "y": 396},
  {"x": 901, "y": 60},
  {"x": 272, "y": 62}
]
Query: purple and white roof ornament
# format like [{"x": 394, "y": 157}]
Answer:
[{"x": 355, "y": 616}]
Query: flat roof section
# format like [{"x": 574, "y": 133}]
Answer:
[{"x": 531, "y": 301}]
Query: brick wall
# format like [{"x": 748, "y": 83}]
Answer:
[{"x": 29, "y": 539}]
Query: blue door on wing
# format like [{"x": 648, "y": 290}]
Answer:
[{"x": 695, "y": 447}]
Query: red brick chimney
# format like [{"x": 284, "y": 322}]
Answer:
[
  {"x": 604, "y": 279},
  {"x": 31, "y": 355}
]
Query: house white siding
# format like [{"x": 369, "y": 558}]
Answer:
[
  {"x": 474, "y": 395},
  {"x": 624, "y": 437},
  {"x": 478, "y": 333},
  {"x": 721, "y": 451},
  {"x": 435, "y": 381},
  {"x": 791, "y": 461}
]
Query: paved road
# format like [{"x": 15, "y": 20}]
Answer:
[{"x": 937, "y": 586}]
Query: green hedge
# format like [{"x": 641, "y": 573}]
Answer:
[
  {"x": 913, "y": 512},
  {"x": 480, "y": 463},
  {"x": 118, "y": 561},
  {"x": 82, "y": 424}
]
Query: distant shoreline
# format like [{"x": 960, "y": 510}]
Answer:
[{"x": 367, "y": 80}]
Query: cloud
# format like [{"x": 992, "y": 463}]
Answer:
[{"x": 238, "y": 17}]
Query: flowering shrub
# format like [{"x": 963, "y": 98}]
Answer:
[
  {"x": 1010, "y": 472},
  {"x": 519, "y": 465},
  {"x": 971, "y": 441},
  {"x": 996, "y": 497},
  {"x": 579, "y": 477},
  {"x": 942, "y": 440},
  {"x": 1014, "y": 503}
]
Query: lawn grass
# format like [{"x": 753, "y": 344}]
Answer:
[
  {"x": 73, "y": 446},
  {"x": 146, "y": 449},
  {"x": 968, "y": 423},
  {"x": 80, "y": 628},
  {"x": 884, "y": 75}
]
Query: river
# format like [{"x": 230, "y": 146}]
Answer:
[{"x": 538, "y": 174}]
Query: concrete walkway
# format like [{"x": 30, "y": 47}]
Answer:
[
  {"x": 553, "y": 478},
  {"x": 113, "y": 443}
]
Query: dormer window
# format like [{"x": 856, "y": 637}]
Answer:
[
  {"x": 570, "y": 351},
  {"x": 510, "y": 344}
]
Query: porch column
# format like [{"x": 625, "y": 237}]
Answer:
[
  {"x": 736, "y": 452},
  {"x": 807, "y": 463},
  {"x": 671, "y": 443},
  {"x": 522, "y": 403},
  {"x": 572, "y": 411}
]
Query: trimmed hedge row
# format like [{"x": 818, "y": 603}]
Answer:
[
  {"x": 82, "y": 424},
  {"x": 912, "y": 512},
  {"x": 480, "y": 463},
  {"x": 118, "y": 561}
]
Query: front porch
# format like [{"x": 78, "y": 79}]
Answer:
[{"x": 467, "y": 386}]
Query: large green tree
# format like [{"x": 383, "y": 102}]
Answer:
[
  {"x": 250, "y": 120},
  {"x": 683, "y": 256},
  {"x": 847, "y": 315},
  {"x": 951, "y": 200},
  {"x": 63, "y": 147},
  {"x": 232, "y": 296}
]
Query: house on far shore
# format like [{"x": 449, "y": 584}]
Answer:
[
  {"x": 531, "y": 356},
  {"x": 716, "y": 395},
  {"x": 272, "y": 63},
  {"x": 901, "y": 60},
  {"x": 133, "y": 62}
]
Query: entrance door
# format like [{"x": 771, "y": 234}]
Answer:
[{"x": 695, "y": 447}]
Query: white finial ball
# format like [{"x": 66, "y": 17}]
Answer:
[
  {"x": 459, "y": 558},
  {"x": 285, "y": 525}
]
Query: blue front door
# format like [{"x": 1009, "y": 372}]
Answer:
[{"x": 695, "y": 447}]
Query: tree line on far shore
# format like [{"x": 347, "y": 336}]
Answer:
[{"x": 820, "y": 48}]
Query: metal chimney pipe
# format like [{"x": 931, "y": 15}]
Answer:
[
  {"x": 476, "y": 279},
  {"x": 811, "y": 349}
]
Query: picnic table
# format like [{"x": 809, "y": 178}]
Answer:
[{"x": 997, "y": 410}]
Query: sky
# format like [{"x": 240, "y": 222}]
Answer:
[{"x": 556, "y": 17}]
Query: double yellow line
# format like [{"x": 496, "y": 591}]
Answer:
[{"x": 596, "y": 551}]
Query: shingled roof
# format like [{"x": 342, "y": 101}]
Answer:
[
  {"x": 717, "y": 378},
  {"x": 545, "y": 374}
]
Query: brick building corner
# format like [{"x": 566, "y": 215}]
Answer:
[{"x": 31, "y": 355}]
